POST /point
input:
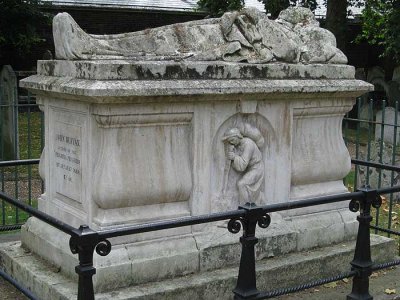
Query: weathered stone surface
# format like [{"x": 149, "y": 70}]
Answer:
[
  {"x": 157, "y": 259},
  {"x": 365, "y": 113},
  {"x": 149, "y": 136},
  {"x": 247, "y": 35},
  {"x": 183, "y": 70},
  {"x": 124, "y": 91},
  {"x": 390, "y": 133},
  {"x": 137, "y": 145},
  {"x": 8, "y": 114}
]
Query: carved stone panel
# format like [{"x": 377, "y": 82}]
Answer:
[
  {"x": 144, "y": 160},
  {"x": 320, "y": 159},
  {"x": 241, "y": 146}
]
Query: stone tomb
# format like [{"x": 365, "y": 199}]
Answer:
[{"x": 140, "y": 135}]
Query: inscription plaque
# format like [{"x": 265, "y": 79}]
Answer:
[{"x": 67, "y": 160}]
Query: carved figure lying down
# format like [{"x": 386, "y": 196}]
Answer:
[{"x": 242, "y": 36}]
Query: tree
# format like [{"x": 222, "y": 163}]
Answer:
[
  {"x": 336, "y": 20},
  {"x": 20, "y": 21},
  {"x": 381, "y": 26},
  {"x": 217, "y": 7}
]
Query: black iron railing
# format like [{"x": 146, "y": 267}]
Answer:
[
  {"x": 20, "y": 162},
  {"x": 21, "y": 138},
  {"x": 371, "y": 132},
  {"x": 84, "y": 241}
]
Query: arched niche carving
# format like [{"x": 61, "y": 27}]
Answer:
[{"x": 224, "y": 179}]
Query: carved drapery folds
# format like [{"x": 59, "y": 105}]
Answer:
[{"x": 242, "y": 36}]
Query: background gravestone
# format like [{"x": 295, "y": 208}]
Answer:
[
  {"x": 379, "y": 178},
  {"x": 389, "y": 119},
  {"x": 364, "y": 112},
  {"x": 8, "y": 114},
  {"x": 382, "y": 153}
]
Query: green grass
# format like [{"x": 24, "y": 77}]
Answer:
[
  {"x": 349, "y": 180},
  {"x": 11, "y": 216},
  {"x": 14, "y": 180},
  {"x": 30, "y": 138}
]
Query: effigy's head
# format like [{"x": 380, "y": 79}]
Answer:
[{"x": 297, "y": 15}]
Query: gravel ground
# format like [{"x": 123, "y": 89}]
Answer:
[{"x": 21, "y": 187}]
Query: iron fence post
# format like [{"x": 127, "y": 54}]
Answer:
[
  {"x": 246, "y": 286},
  {"x": 362, "y": 262},
  {"x": 84, "y": 243}
]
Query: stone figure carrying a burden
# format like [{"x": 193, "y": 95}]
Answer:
[{"x": 245, "y": 157}]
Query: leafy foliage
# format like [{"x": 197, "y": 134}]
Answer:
[
  {"x": 19, "y": 23},
  {"x": 218, "y": 7},
  {"x": 381, "y": 26}
]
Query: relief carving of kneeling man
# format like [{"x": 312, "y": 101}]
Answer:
[{"x": 245, "y": 157}]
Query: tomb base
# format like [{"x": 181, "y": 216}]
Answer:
[
  {"x": 134, "y": 261},
  {"x": 49, "y": 282}
]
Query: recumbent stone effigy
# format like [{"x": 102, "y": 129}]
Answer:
[
  {"x": 247, "y": 35},
  {"x": 190, "y": 119}
]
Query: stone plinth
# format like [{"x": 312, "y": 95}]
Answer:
[{"x": 129, "y": 142}]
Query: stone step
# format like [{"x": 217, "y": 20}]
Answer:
[{"x": 47, "y": 282}]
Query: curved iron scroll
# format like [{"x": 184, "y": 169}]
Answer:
[
  {"x": 355, "y": 205},
  {"x": 377, "y": 202},
  {"x": 235, "y": 224},
  {"x": 264, "y": 221},
  {"x": 103, "y": 247}
]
